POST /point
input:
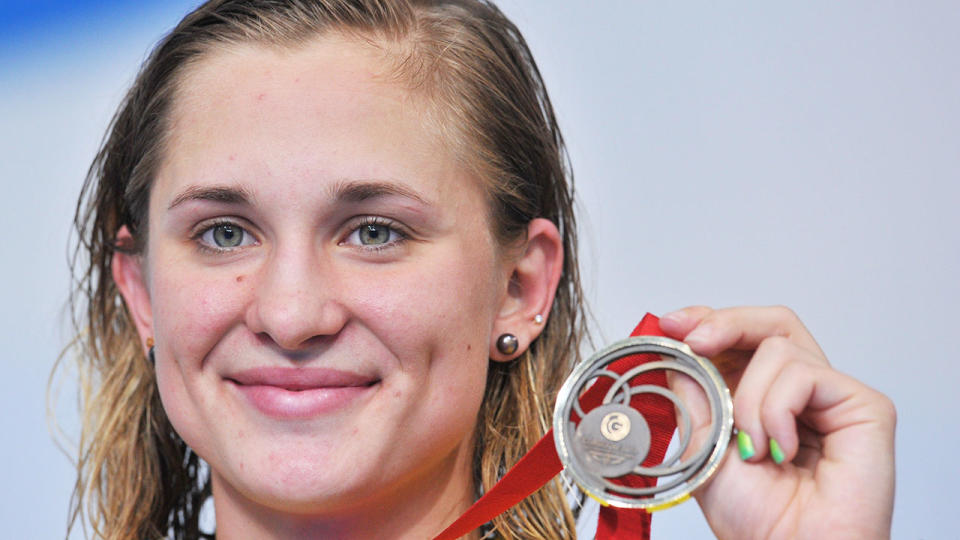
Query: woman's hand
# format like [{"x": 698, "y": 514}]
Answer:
[{"x": 835, "y": 474}]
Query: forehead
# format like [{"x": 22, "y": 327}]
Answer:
[
  {"x": 332, "y": 106},
  {"x": 332, "y": 67}
]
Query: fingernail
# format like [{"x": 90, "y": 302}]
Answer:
[
  {"x": 700, "y": 335},
  {"x": 745, "y": 445},
  {"x": 674, "y": 317},
  {"x": 776, "y": 452}
]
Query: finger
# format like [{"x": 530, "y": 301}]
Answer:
[
  {"x": 843, "y": 410},
  {"x": 771, "y": 358},
  {"x": 731, "y": 365},
  {"x": 678, "y": 324},
  {"x": 697, "y": 406},
  {"x": 786, "y": 398},
  {"x": 742, "y": 328}
]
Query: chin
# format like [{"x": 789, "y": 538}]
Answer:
[{"x": 298, "y": 489}]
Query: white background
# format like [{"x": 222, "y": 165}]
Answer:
[{"x": 748, "y": 153}]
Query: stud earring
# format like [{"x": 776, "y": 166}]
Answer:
[
  {"x": 150, "y": 355},
  {"x": 507, "y": 344},
  {"x": 538, "y": 318}
]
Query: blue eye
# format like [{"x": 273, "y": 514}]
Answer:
[
  {"x": 375, "y": 233},
  {"x": 226, "y": 236}
]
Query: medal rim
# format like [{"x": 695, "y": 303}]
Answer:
[{"x": 615, "y": 351}]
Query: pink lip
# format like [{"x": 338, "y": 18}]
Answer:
[{"x": 300, "y": 392}]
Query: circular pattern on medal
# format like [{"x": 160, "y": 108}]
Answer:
[
  {"x": 613, "y": 440},
  {"x": 604, "y": 446}
]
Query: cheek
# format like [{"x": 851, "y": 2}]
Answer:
[
  {"x": 435, "y": 317},
  {"x": 193, "y": 312},
  {"x": 442, "y": 307},
  {"x": 435, "y": 322}
]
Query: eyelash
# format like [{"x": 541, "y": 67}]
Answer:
[
  {"x": 391, "y": 225},
  {"x": 205, "y": 247}
]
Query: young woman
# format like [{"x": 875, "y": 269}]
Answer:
[{"x": 332, "y": 254}]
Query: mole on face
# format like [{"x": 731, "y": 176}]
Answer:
[{"x": 239, "y": 279}]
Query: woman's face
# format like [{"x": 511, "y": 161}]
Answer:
[{"x": 322, "y": 280}]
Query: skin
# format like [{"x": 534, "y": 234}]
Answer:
[
  {"x": 299, "y": 150},
  {"x": 837, "y": 434}
]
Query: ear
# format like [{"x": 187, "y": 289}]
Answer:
[
  {"x": 130, "y": 277},
  {"x": 533, "y": 284}
]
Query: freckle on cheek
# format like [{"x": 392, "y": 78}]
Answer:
[
  {"x": 469, "y": 347},
  {"x": 239, "y": 279},
  {"x": 397, "y": 394}
]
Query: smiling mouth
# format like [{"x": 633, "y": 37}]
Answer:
[
  {"x": 301, "y": 379},
  {"x": 296, "y": 393}
]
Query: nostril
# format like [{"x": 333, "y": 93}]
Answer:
[
  {"x": 296, "y": 351},
  {"x": 295, "y": 319}
]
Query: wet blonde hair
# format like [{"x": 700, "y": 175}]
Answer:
[{"x": 136, "y": 477}]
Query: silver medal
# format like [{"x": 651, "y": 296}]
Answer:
[{"x": 612, "y": 440}]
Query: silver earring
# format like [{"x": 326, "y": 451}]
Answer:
[
  {"x": 507, "y": 344},
  {"x": 538, "y": 318}
]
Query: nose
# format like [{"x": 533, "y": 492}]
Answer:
[{"x": 295, "y": 303}]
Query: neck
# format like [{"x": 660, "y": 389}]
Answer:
[{"x": 419, "y": 507}]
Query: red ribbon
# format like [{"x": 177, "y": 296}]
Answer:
[{"x": 541, "y": 463}]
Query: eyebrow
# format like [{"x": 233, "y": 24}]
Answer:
[
  {"x": 221, "y": 194},
  {"x": 352, "y": 191},
  {"x": 355, "y": 191}
]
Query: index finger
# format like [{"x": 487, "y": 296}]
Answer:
[{"x": 710, "y": 332}]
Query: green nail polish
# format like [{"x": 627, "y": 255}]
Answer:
[
  {"x": 776, "y": 452},
  {"x": 745, "y": 445}
]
